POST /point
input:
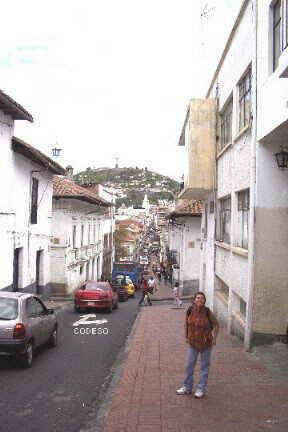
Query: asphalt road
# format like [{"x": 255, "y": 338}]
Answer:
[{"x": 65, "y": 383}]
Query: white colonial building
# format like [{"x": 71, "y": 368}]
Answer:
[
  {"x": 184, "y": 240},
  {"x": 79, "y": 225},
  {"x": 25, "y": 206},
  {"x": 231, "y": 138}
]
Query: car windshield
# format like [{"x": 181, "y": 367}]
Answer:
[
  {"x": 124, "y": 266},
  {"x": 94, "y": 286},
  {"x": 8, "y": 308},
  {"x": 119, "y": 281}
]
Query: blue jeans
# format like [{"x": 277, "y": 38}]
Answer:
[{"x": 191, "y": 362}]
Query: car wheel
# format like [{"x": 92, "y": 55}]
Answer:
[
  {"x": 27, "y": 358},
  {"x": 52, "y": 342}
]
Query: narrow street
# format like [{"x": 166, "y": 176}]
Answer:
[{"x": 66, "y": 382}]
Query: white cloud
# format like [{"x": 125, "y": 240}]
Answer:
[{"x": 109, "y": 78}]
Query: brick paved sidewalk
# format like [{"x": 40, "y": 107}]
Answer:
[{"x": 242, "y": 394}]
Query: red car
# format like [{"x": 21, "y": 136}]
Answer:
[{"x": 93, "y": 294}]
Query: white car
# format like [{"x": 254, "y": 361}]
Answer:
[{"x": 25, "y": 324}]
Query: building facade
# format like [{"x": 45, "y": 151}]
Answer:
[
  {"x": 184, "y": 241},
  {"x": 231, "y": 138},
  {"x": 77, "y": 235},
  {"x": 25, "y": 206}
]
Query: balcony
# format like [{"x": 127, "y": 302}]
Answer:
[{"x": 199, "y": 138}]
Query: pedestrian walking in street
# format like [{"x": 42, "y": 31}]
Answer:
[
  {"x": 145, "y": 293},
  {"x": 159, "y": 273},
  {"x": 201, "y": 330},
  {"x": 176, "y": 295},
  {"x": 151, "y": 285}
]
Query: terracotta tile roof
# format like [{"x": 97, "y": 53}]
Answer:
[
  {"x": 186, "y": 207},
  {"x": 36, "y": 156},
  {"x": 65, "y": 188},
  {"x": 12, "y": 108}
]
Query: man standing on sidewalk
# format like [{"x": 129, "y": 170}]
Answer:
[{"x": 201, "y": 330}]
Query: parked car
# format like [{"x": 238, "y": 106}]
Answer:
[
  {"x": 25, "y": 324},
  {"x": 93, "y": 294}
]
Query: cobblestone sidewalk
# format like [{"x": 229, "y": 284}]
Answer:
[{"x": 243, "y": 394}]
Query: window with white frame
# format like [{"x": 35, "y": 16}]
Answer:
[
  {"x": 277, "y": 43},
  {"x": 89, "y": 229},
  {"x": 244, "y": 92},
  {"x": 74, "y": 236},
  {"x": 82, "y": 235},
  {"x": 239, "y": 306},
  {"x": 285, "y": 25},
  {"x": 222, "y": 289},
  {"x": 224, "y": 220},
  {"x": 226, "y": 125},
  {"x": 242, "y": 219}
]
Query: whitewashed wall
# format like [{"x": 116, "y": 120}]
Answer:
[
  {"x": 70, "y": 267},
  {"x": 233, "y": 175},
  {"x": 185, "y": 237},
  {"x": 15, "y": 226},
  {"x": 207, "y": 251}
]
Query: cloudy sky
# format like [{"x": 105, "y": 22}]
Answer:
[{"x": 111, "y": 79}]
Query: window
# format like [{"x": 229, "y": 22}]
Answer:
[
  {"x": 242, "y": 307},
  {"x": 244, "y": 88},
  {"x": 74, "y": 237},
  {"x": 205, "y": 221},
  {"x": 82, "y": 235},
  {"x": 226, "y": 125},
  {"x": 224, "y": 220},
  {"x": 34, "y": 307},
  {"x": 89, "y": 234},
  {"x": 222, "y": 289},
  {"x": 276, "y": 33},
  {"x": 239, "y": 306},
  {"x": 211, "y": 206},
  {"x": 285, "y": 26},
  {"x": 34, "y": 201},
  {"x": 242, "y": 222}
]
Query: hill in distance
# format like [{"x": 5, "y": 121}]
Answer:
[{"x": 131, "y": 184}]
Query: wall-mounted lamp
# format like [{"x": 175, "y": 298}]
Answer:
[{"x": 282, "y": 158}]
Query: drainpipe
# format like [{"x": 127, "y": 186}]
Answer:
[{"x": 252, "y": 217}]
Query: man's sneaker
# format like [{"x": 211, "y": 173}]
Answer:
[
  {"x": 199, "y": 394},
  {"x": 182, "y": 391}
]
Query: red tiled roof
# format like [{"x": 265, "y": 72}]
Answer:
[
  {"x": 65, "y": 188},
  {"x": 36, "y": 156},
  {"x": 187, "y": 208}
]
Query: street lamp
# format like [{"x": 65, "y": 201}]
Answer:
[
  {"x": 56, "y": 152},
  {"x": 282, "y": 158}
]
